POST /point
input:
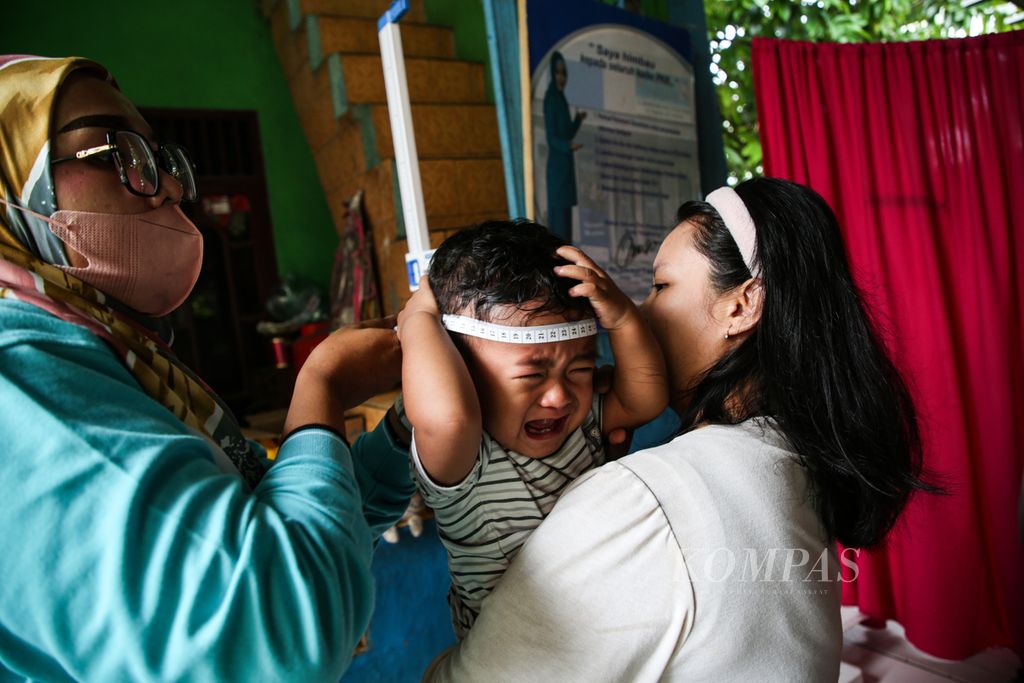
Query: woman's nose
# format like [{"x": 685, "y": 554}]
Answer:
[{"x": 170, "y": 191}]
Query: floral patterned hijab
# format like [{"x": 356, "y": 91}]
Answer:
[{"x": 29, "y": 250}]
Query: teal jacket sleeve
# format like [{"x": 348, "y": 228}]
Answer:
[
  {"x": 385, "y": 481},
  {"x": 127, "y": 555}
]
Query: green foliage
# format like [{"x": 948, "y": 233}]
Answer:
[{"x": 733, "y": 23}]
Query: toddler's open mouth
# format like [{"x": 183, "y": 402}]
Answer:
[{"x": 545, "y": 429}]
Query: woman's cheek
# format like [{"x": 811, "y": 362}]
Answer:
[
  {"x": 80, "y": 186},
  {"x": 659, "y": 321}
]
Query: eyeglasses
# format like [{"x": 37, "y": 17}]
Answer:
[{"x": 139, "y": 166}]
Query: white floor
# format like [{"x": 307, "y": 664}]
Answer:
[{"x": 871, "y": 655}]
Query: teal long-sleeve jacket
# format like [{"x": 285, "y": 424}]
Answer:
[{"x": 125, "y": 554}]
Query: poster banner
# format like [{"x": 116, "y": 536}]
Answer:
[{"x": 614, "y": 131}]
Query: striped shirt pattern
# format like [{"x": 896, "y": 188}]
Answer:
[{"x": 484, "y": 520}]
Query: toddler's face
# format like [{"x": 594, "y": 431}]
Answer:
[{"x": 532, "y": 396}]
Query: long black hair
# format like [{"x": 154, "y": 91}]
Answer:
[{"x": 814, "y": 362}]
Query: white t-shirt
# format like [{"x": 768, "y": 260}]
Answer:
[{"x": 630, "y": 578}]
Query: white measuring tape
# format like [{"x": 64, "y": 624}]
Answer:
[{"x": 537, "y": 334}]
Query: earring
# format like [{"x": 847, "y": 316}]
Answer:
[{"x": 727, "y": 335}]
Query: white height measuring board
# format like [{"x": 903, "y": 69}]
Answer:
[{"x": 406, "y": 160}]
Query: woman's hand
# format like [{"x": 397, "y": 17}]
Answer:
[
  {"x": 614, "y": 309},
  {"x": 350, "y": 366}
]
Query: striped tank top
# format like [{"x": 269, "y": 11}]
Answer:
[{"x": 484, "y": 520}]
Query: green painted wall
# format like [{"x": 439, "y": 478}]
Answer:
[{"x": 208, "y": 54}]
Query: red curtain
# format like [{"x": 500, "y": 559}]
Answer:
[{"x": 919, "y": 148}]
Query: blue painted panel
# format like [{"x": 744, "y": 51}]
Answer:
[{"x": 411, "y": 623}]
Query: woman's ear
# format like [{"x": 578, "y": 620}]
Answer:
[{"x": 743, "y": 307}]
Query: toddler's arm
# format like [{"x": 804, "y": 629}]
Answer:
[
  {"x": 440, "y": 399},
  {"x": 639, "y": 390}
]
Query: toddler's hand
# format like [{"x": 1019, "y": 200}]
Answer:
[
  {"x": 422, "y": 301},
  {"x": 614, "y": 309}
]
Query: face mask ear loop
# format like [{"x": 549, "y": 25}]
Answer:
[{"x": 48, "y": 219}]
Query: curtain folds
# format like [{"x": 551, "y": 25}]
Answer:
[{"x": 919, "y": 148}]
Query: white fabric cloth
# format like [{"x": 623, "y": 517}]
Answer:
[{"x": 628, "y": 578}]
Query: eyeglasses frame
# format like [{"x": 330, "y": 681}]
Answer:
[{"x": 111, "y": 147}]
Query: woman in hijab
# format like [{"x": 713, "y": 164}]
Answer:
[
  {"x": 560, "y": 128},
  {"x": 145, "y": 537}
]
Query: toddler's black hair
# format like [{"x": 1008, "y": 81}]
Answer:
[{"x": 497, "y": 263}]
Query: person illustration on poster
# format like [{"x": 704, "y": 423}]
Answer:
[{"x": 560, "y": 128}]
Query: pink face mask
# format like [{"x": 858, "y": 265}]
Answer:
[{"x": 149, "y": 261}]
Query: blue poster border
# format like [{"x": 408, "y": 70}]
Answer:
[{"x": 548, "y": 23}]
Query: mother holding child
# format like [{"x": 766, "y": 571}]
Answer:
[
  {"x": 713, "y": 557},
  {"x": 148, "y": 540}
]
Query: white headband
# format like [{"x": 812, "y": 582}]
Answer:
[
  {"x": 739, "y": 223},
  {"x": 537, "y": 334}
]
